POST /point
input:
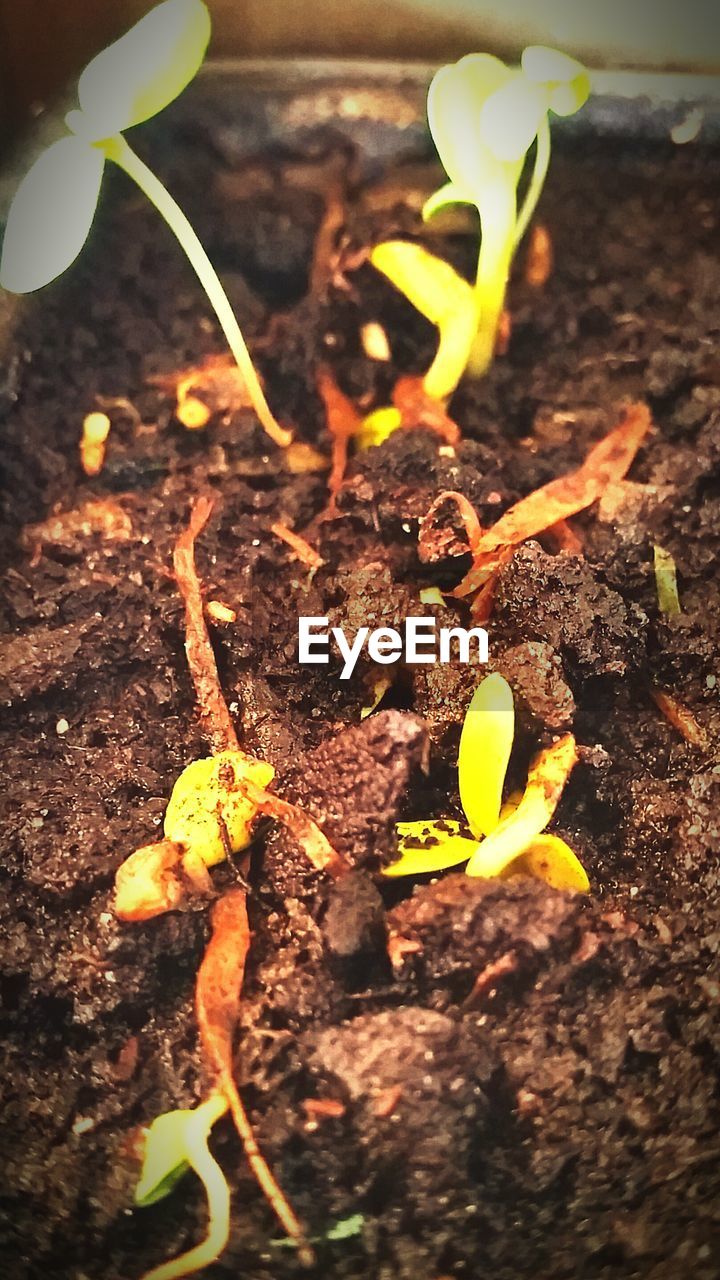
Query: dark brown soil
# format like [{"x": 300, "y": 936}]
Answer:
[{"x": 564, "y": 1123}]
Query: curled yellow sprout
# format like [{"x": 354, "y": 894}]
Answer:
[{"x": 507, "y": 839}]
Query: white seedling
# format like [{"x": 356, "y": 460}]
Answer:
[{"x": 53, "y": 209}]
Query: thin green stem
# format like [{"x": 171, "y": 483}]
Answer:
[
  {"x": 118, "y": 150},
  {"x": 532, "y": 195}
]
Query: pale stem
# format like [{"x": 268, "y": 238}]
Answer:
[
  {"x": 532, "y": 195},
  {"x": 118, "y": 150},
  {"x": 497, "y": 219}
]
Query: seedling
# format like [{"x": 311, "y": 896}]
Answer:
[
  {"x": 484, "y": 117},
  {"x": 176, "y": 1142},
  {"x": 666, "y": 583},
  {"x": 53, "y": 209},
  {"x": 507, "y": 839}
]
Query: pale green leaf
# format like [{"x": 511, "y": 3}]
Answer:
[
  {"x": 144, "y": 70},
  {"x": 51, "y": 215},
  {"x": 166, "y": 1156},
  {"x": 666, "y": 582},
  {"x": 456, "y": 98},
  {"x": 566, "y": 79},
  {"x": 511, "y": 117},
  {"x": 448, "y": 195}
]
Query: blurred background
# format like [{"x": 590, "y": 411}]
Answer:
[{"x": 45, "y": 42}]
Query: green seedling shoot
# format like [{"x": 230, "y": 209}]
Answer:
[
  {"x": 506, "y": 838},
  {"x": 484, "y": 117},
  {"x": 53, "y": 209},
  {"x": 176, "y": 1142}
]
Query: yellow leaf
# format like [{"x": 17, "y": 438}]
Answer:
[
  {"x": 485, "y": 745},
  {"x": 379, "y": 689},
  {"x": 208, "y": 812},
  {"x": 546, "y": 779},
  {"x": 377, "y": 426},
  {"x": 441, "y": 847},
  {"x": 432, "y": 595},
  {"x": 550, "y": 859}
]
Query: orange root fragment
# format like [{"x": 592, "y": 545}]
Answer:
[
  {"x": 418, "y": 409},
  {"x": 306, "y": 554},
  {"x": 217, "y": 1000},
  {"x": 539, "y": 261},
  {"x": 343, "y": 420},
  {"x": 217, "y": 725},
  {"x": 681, "y": 719},
  {"x": 606, "y": 464},
  {"x": 301, "y": 826}
]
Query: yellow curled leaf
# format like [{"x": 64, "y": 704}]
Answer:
[
  {"x": 208, "y": 811},
  {"x": 143, "y": 71},
  {"x": 485, "y": 745},
  {"x": 441, "y": 847},
  {"x": 443, "y": 297},
  {"x": 550, "y": 859},
  {"x": 51, "y": 215},
  {"x": 546, "y": 779}
]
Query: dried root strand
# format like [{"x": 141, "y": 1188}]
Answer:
[
  {"x": 343, "y": 421},
  {"x": 606, "y": 464},
  {"x": 217, "y": 1001},
  {"x": 217, "y": 725},
  {"x": 418, "y": 409},
  {"x": 301, "y": 826},
  {"x": 681, "y": 719},
  {"x": 306, "y": 554}
]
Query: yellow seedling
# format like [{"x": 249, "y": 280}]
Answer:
[
  {"x": 209, "y": 816},
  {"x": 484, "y": 117},
  {"x": 507, "y": 839},
  {"x": 175, "y": 1142},
  {"x": 208, "y": 812}
]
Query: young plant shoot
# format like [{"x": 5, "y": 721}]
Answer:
[
  {"x": 53, "y": 209},
  {"x": 484, "y": 117},
  {"x": 507, "y": 839}
]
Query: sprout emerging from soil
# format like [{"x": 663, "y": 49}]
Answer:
[
  {"x": 54, "y": 206},
  {"x": 507, "y": 838},
  {"x": 175, "y": 1142},
  {"x": 484, "y": 117}
]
